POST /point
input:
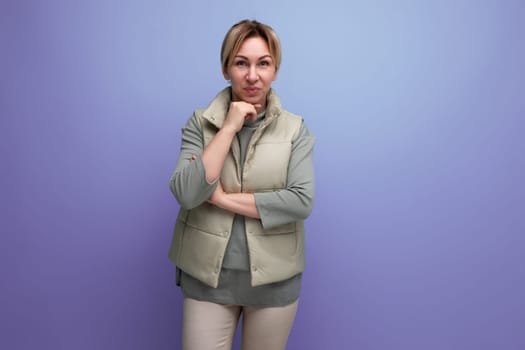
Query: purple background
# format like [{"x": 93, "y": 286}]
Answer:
[{"x": 417, "y": 236}]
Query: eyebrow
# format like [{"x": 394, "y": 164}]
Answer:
[{"x": 260, "y": 58}]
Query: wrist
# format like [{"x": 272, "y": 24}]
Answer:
[
  {"x": 218, "y": 200},
  {"x": 228, "y": 130}
]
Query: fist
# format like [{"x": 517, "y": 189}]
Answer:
[{"x": 238, "y": 113}]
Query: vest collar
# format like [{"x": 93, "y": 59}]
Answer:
[{"x": 217, "y": 110}]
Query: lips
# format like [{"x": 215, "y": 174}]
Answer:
[{"x": 251, "y": 90}]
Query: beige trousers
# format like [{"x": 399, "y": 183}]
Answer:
[{"x": 211, "y": 326}]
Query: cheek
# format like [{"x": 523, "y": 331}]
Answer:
[
  {"x": 268, "y": 78},
  {"x": 270, "y": 75},
  {"x": 236, "y": 77}
]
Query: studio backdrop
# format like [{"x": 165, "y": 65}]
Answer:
[{"x": 416, "y": 240}]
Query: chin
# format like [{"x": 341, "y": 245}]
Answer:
[{"x": 253, "y": 99}]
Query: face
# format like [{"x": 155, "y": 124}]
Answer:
[{"x": 252, "y": 72}]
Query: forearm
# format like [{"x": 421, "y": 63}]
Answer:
[
  {"x": 239, "y": 203},
  {"x": 215, "y": 153},
  {"x": 284, "y": 206}
]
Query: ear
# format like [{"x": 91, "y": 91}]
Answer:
[{"x": 225, "y": 75}]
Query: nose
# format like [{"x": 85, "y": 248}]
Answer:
[{"x": 252, "y": 75}]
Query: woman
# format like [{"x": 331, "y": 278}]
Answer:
[{"x": 244, "y": 181}]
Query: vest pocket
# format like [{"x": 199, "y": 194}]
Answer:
[
  {"x": 283, "y": 245},
  {"x": 282, "y": 240},
  {"x": 281, "y": 229}
]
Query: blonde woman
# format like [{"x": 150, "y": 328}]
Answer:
[{"x": 244, "y": 181}]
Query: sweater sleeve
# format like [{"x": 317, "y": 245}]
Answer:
[
  {"x": 295, "y": 202},
  {"x": 188, "y": 182}
]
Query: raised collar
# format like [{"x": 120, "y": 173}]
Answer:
[{"x": 217, "y": 110}]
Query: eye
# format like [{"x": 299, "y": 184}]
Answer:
[
  {"x": 264, "y": 63},
  {"x": 241, "y": 63}
]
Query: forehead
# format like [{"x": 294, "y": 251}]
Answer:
[{"x": 255, "y": 46}]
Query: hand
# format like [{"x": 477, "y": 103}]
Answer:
[
  {"x": 217, "y": 194},
  {"x": 238, "y": 113}
]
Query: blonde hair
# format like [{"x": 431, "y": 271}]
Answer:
[{"x": 243, "y": 30}]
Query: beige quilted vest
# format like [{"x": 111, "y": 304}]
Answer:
[{"x": 201, "y": 234}]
